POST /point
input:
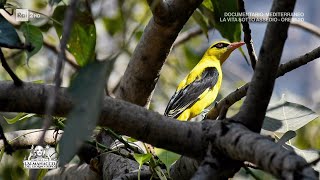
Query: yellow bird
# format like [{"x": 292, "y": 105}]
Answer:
[{"x": 201, "y": 86}]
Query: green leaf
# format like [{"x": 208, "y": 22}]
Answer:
[
  {"x": 284, "y": 116},
  {"x": 208, "y": 4},
  {"x": 34, "y": 37},
  {"x": 19, "y": 117},
  {"x": 86, "y": 90},
  {"x": 142, "y": 158},
  {"x": 40, "y": 81},
  {"x": 228, "y": 30},
  {"x": 138, "y": 35},
  {"x": 198, "y": 17},
  {"x": 130, "y": 139},
  {"x": 42, "y": 173},
  {"x": 113, "y": 25},
  {"x": 82, "y": 40},
  {"x": 167, "y": 157},
  {"x": 8, "y": 35}
]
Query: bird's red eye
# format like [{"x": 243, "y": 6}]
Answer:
[{"x": 220, "y": 45}]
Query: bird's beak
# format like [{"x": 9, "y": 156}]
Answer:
[{"x": 235, "y": 45}]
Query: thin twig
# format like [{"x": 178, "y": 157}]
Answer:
[
  {"x": 7, "y": 147},
  {"x": 283, "y": 69},
  {"x": 185, "y": 36},
  {"x": 5, "y": 65},
  {"x": 67, "y": 26},
  {"x": 126, "y": 144},
  {"x": 307, "y": 26},
  {"x": 311, "y": 28},
  {"x": 54, "y": 49},
  {"x": 27, "y": 47},
  {"x": 247, "y": 36}
]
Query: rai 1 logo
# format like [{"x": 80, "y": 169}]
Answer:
[{"x": 41, "y": 158}]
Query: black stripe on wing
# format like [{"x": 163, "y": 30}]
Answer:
[{"x": 187, "y": 96}]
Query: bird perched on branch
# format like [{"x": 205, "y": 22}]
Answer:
[{"x": 201, "y": 86}]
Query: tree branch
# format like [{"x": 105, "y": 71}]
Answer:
[
  {"x": 253, "y": 110},
  {"x": 244, "y": 145},
  {"x": 147, "y": 60},
  {"x": 216, "y": 167},
  {"x": 160, "y": 10},
  {"x": 184, "y": 168},
  {"x": 32, "y": 98},
  {"x": 117, "y": 167},
  {"x": 158, "y": 130},
  {"x": 247, "y": 35},
  {"x": 283, "y": 69}
]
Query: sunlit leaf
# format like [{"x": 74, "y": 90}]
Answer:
[
  {"x": 130, "y": 139},
  {"x": 167, "y": 157},
  {"x": 19, "y": 117},
  {"x": 86, "y": 91},
  {"x": 284, "y": 116},
  {"x": 208, "y": 4},
  {"x": 8, "y": 35},
  {"x": 40, "y": 81},
  {"x": 142, "y": 158},
  {"x": 82, "y": 39},
  {"x": 33, "y": 36}
]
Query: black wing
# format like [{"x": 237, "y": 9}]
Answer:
[{"x": 187, "y": 96}]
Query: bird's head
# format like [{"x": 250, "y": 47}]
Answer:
[{"x": 222, "y": 49}]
